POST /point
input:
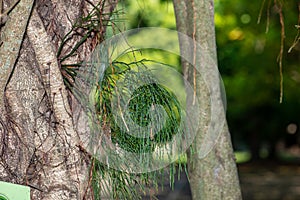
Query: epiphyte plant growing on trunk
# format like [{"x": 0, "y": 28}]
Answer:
[
  {"x": 131, "y": 114},
  {"x": 97, "y": 85}
]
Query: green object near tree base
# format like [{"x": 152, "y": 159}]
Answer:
[
  {"x": 9, "y": 191},
  {"x": 2, "y": 197}
]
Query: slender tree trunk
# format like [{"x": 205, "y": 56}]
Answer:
[{"x": 212, "y": 174}]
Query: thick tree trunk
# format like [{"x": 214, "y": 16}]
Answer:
[
  {"x": 212, "y": 169},
  {"x": 40, "y": 146}
]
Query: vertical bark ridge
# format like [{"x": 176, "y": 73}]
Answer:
[
  {"x": 64, "y": 155},
  {"x": 12, "y": 37}
]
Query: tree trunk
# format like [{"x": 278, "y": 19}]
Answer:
[
  {"x": 211, "y": 163},
  {"x": 40, "y": 145}
]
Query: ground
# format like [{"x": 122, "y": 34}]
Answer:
[{"x": 259, "y": 181}]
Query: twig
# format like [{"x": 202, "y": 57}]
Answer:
[
  {"x": 280, "y": 56},
  {"x": 297, "y": 38},
  {"x": 260, "y": 12}
]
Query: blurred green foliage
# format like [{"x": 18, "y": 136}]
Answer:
[
  {"x": 247, "y": 59},
  {"x": 149, "y": 13}
]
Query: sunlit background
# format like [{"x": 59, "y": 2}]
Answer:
[{"x": 265, "y": 132}]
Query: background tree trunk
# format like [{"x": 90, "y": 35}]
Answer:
[
  {"x": 213, "y": 175},
  {"x": 40, "y": 145}
]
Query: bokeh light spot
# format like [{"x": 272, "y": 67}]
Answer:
[
  {"x": 236, "y": 34},
  {"x": 291, "y": 128},
  {"x": 245, "y": 18}
]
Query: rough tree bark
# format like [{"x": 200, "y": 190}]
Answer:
[
  {"x": 213, "y": 176},
  {"x": 40, "y": 146}
]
